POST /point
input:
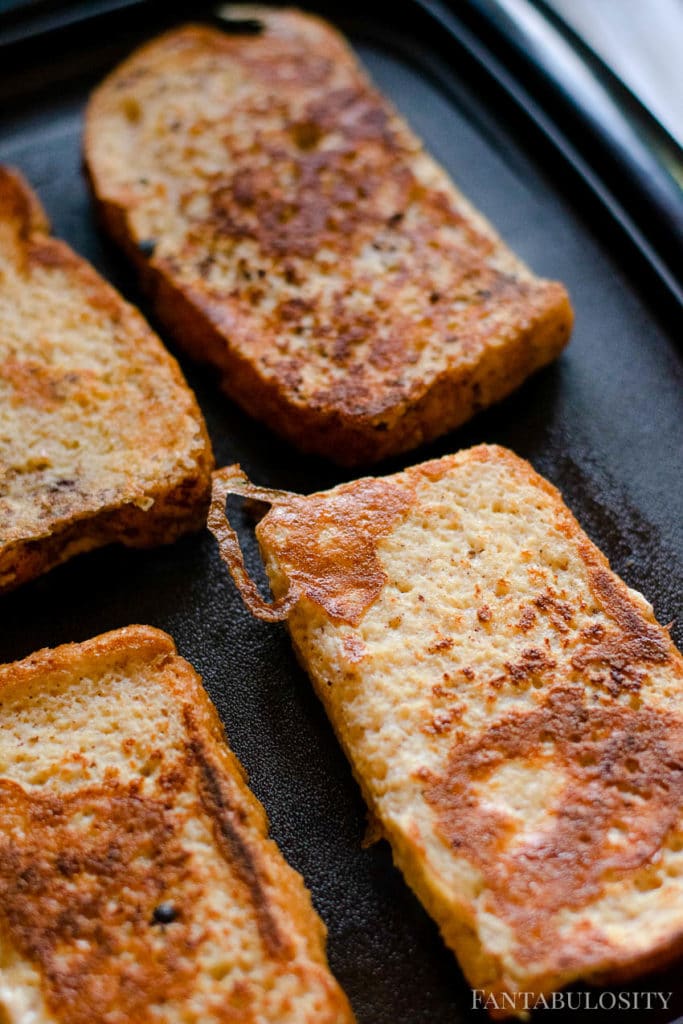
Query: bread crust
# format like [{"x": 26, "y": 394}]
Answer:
[
  {"x": 509, "y": 709},
  {"x": 402, "y": 352},
  {"x": 52, "y": 381},
  {"x": 193, "y": 778}
]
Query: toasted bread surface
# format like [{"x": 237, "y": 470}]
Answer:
[
  {"x": 511, "y": 710},
  {"x": 100, "y": 437},
  {"x": 137, "y": 881},
  {"x": 292, "y": 231}
]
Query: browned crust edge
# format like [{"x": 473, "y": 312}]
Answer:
[
  {"x": 180, "y": 505},
  {"x": 180, "y": 510}
]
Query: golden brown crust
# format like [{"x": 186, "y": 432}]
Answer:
[
  {"x": 50, "y": 380},
  {"x": 232, "y": 842},
  {"x": 610, "y": 755},
  {"x": 510, "y": 710},
  {"x": 331, "y": 543},
  {"x": 347, "y": 293},
  {"x": 20, "y": 206},
  {"x": 84, "y": 869}
]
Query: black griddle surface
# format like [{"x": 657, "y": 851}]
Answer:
[{"x": 604, "y": 423}]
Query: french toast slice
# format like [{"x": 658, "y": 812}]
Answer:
[
  {"x": 511, "y": 710},
  {"x": 291, "y": 230},
  {"x": 100, "y": 437},
  {"x": 137, "y": 882}
]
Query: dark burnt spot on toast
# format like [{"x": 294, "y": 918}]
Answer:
[
  {"x": 165, "y": 913},
  {"x": 527, "y": 619},
  {"x": 533, "y": 663},
  {"x": 330, "y": 202},
  {"x": 232, "y": 840},
  {"x": 621, "y": 794},
  {"x": 326, "y": 545},
  {"x": 559, "y": 612},
  {"x": 355, "y": 394},
  {"x": 440, "y": 722},
  {"x": 440, "y": 645}
]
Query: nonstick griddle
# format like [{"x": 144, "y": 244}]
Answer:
[{"x": 604, "y": 423}]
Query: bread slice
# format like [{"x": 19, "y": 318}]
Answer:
[
  {"x": 137, "y": 882},
  {"x": 100, "y": 437},
  {"x": 511, "y": 710},
  {"x": 291, "y": 230}
]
